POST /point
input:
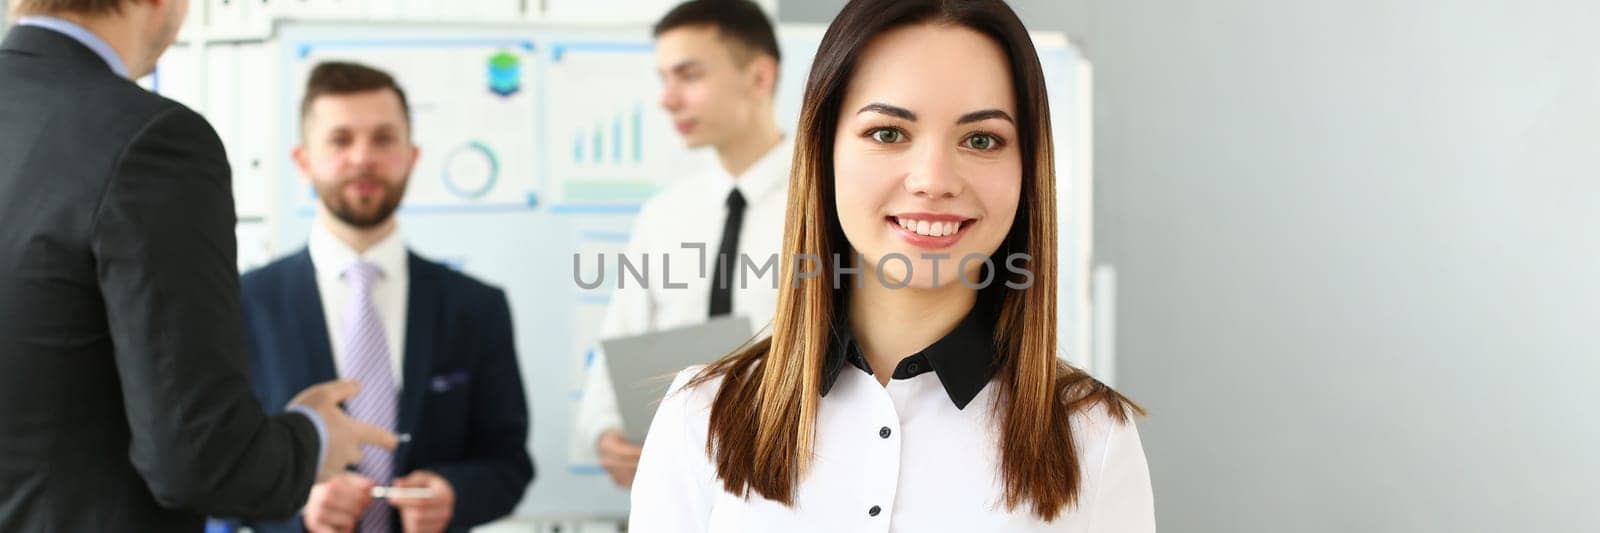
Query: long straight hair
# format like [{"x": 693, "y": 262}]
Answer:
[{"x": 763, "y": 420}]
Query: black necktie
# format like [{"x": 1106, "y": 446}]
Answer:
[{"x": 722, "y": 278}]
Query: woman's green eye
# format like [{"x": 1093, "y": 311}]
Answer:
[
  {"x": 982, "y": 142},
  {"x": 886, "y": 136}
]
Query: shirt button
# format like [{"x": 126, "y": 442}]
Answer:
[
  {"x": 884, "y": 433},
  {"x": 912, "y": 368},
  {"x": 874, "y": 511}
]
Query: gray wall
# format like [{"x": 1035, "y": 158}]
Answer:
[
  {"x": 1359, "y": 253},
  {"x": 1359, "y": 256}
]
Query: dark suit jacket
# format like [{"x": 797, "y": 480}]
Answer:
[
  {"x": 461, "y": 399},
  {"x": 124, "y": 400}
]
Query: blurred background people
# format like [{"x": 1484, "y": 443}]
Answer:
[
  {"x": 718, "y": 62},
  {"x": 432, "y": 346}
]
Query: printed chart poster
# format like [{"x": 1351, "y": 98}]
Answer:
[
  {"x": 474, "y": 112},
  {"x": 610, "y": 145}
]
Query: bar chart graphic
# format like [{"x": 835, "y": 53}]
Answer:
[
  {"x": 616, "y": 140},
  {"x": 618, "y": 149}
]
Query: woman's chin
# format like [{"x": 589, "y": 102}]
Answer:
[{"x": 918, "y": 281}]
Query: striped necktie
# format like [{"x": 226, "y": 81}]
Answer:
[{"x": 366, "y": 359}]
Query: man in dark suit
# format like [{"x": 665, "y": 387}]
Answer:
[
  {"x": 124, "y": 399},
  {"x": 433, "y": 346}
]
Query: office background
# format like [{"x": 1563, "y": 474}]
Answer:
[
  {"x": 540, "y": 137},
  {"x": 1356, "y": 249}
]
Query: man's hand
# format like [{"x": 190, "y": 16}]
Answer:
[
  {"x": 336, "y": 504},
  {"x": 425, "y": 515},
  {"x": 619, "y": 457},
  {"x": 345, "y": 434}
]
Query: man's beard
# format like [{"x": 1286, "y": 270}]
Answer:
[{"x": 333, "y": 198}]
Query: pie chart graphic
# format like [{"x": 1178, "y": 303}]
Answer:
[{"x": 470, "y": 171}]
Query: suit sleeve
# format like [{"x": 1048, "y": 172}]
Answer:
[
  {"x": 164, "y": 250},
  {"x": 491, "y": 481}
]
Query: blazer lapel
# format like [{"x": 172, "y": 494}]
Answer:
[
  {"x": 311, "y": 323},
  {"x": 423, "y": 315}
]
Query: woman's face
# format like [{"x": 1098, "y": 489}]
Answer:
[{"x": 926, "y": 165}]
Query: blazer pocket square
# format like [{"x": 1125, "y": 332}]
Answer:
[{"x": 446, "y": 382}]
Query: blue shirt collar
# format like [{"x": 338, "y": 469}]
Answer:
[{"x": 82, "y": 35}]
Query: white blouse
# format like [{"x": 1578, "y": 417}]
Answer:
[{"x": 898, "y": 458}]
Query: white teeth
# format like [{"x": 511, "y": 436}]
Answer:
[{"x": 929, "y": 228}]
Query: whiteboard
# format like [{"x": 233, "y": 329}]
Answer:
[{"x": 539, "y": 142}]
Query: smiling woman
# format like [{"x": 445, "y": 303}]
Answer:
[
  {"x": 924, "y": 402},
  {"x": 926, "y": 159}
]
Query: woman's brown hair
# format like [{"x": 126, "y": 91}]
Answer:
[{"x": 763, "y": 420}]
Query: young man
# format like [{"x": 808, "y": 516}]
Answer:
[
  {"x": 123, "y": 397},
  {"x": 432, "y": 347},
  {"x": 718, "y": 62}
]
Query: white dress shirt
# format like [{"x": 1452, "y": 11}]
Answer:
[
  {"x": 692, "y": 211},
  {"x": 918, "y": 455},
  {"x": 330, "y": 257}
]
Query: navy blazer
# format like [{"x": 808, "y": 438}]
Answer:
[{"x": 462, "y": 401}]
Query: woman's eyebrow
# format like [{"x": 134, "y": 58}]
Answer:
[
  {"x": 986, "y": 114},
  {"x": 889, "y": 110}
]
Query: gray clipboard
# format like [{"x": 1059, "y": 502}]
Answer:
[{"x": 642, "y": 366}]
